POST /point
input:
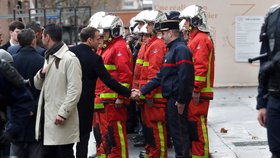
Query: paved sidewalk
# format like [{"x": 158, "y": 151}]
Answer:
[{"x": 234, "y": 110}]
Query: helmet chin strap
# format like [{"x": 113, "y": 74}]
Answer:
[
  {"x": 190, "y": 28},
  {"x": 110, "y": 39},
  {"x": 105, "y": 45}
]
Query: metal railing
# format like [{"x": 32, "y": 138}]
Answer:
[{"x": 72, "y": 19}]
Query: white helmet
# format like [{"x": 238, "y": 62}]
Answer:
[
  {"x": 273, "y": 8},
  {"x": 197, "y": 16},
  {"x": 136, "y": 30},
  {"x": 182, "y": 25},
  {"x": 155, "y": 16},
  {"x": 132, "y": 25},
  {"x": 114, "y": 24},
  {"x": 141, "y": 16},
  {"x": 144, "y": 29},
  {"x": 96, "y": 18}
]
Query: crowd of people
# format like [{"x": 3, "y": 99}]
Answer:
[
  {"x": 171, "y": 81},
  {"x": 154, "y": 77}
]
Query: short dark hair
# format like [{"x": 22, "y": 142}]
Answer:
[
  {"x": 87, "y": 32},
  {"x": 54, "y": 31},
  {"x": 16, "y": 25},
  {"x": 25, "y": 37},
  {"x": 176, "y": 32},
  {"x": 34, "y": 26}
]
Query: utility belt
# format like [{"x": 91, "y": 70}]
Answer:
[
  {"x": 156, "y": 103},
  {"x": 124, "y": 105},
  {"x": 143, "y": 101},
  {"x": 108, "y": 101},
  {"x": 206, "y": 98},
  {"x": 100, "y": 107}
]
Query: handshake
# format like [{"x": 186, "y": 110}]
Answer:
[{"x": 135, "y": 94}]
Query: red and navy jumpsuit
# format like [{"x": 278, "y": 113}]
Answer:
[
  {"x": 154, "y": 107},
  {"x": 202, "y": 47},
  {"x": 118, "y": 61}
]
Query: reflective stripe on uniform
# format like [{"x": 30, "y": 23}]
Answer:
[
  {"x": 156, "y": 96},
  {"x": 122, "y": 141},
  {"x": 207, "y": 90},
  {"x": 142, "y": 97},
  {"x": 200, "y": 78},
  {"x": 125, "y": 85},
  {"x": 139, "y": 61},
  {"x": 146, "y": 63},
  {"x": 208, "y": 84},
  {"x": 98, "y": 106},
  {"x": 110, "y": 67},
  {"x": 108, "y": 95},
  {"x": 205, "y": 137},
  {"x": 102, "y": 156},
  {"x": 161, "y": 138}
]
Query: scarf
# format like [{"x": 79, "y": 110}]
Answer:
[{"x": 53, "y": 49}]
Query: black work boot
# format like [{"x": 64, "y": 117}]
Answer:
[
  {"x": 139, "y": 143},
  {"x": 142, "y": 154}
]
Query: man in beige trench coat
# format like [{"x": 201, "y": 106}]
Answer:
[{"x": 57, "y": 123}]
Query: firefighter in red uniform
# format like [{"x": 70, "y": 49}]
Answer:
[
  {"x": 202, "y": 47},
  {"x": 176, "y": 78},
  {"x": 99, "y": 122},
  {"x": 118, "y": 61},
  {"x": 139, "y": 48},
  {"x": 153, "y": 109},
  {"x": 143, "y": 34},
  {"x": 99, "y": 118}
]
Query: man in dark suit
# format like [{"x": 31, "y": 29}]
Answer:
[
  {"x": 28, "y": 62},
  {"x": 38, "y": 36},
  {"x": 92, "y": 68},
  {"x": 14, "y": 28}
]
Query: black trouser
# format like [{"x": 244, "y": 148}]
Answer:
[
  {"x": 82, "y": 146},
  {"x": 26, "y": 149},
  {"x": 178, "y": 126},
  {"x": 272, "y": 124},
  {"x": 58, "y": 151},
  {"x": 132, "y": 117}
]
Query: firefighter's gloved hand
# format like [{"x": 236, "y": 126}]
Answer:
[
  {"x": 119, "y": 103},
  {"x": 150, "y": 102},
  {"x": 5, "y": 138}
]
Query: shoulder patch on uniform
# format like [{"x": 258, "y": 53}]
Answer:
[
  {"x": 155, "y": 51},
  {"x": 119, "y": 54}
]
